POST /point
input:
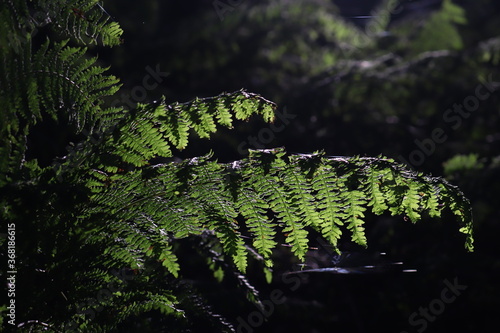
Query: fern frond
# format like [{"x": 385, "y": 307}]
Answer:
[
  {"x": 70, "y": 84},
  {"x": 268, "y": 179},
  {"x": 253, "y": 209},
  {"x": 328, "y": 185},
  {"x": 338, "y": 190},
  {"x": 208, "y": 191},
  {"x": 355, "y": 201},
  {"x": 301, "y": 192},
  {"x": 84, "y": 21},
  {"x": 117, "y": 210},
  {"x": 378, "y": 201},
  {"x": 169, "y": 260},
  {"x": 431, "y": 200},
  {"x": 411, "y": 201},
  {"x": 133, "y": 305},
  {"x": 155, "y": 130}
]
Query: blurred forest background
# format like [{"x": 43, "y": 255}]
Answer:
[{"x": 355, "y": 78}]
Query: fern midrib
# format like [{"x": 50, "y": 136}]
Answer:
[{"x": 82, "y": 92}]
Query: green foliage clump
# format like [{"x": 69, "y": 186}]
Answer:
[{"x": 97, "y": 235}]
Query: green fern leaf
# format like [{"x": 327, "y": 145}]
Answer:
[
  {"x": 374, "y": 187},
  {"x": 169, "y": 260},
  {"x": 253, "y": 209},
  {"x": 355, "y": 201},
  {"x": 328, "y": 187},
  {"x": 300, "y": 192},
  {"x": 279, "y": 200},
  {"x": 411, "y": 201}
]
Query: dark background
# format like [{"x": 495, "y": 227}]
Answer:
[{"x": 289, "y": 55}]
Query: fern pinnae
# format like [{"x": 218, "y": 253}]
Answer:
[
  {"x": 169, "y": 260},
  {"x": 138, "y": 141},
  {"x": 221, "y": 108},
  {"x": 162, "y": 125},
  {"x": 212, "y": 195},
  {"x": 83, "y": 22},
  {"x": 133, "y": 304},
  {"x": 396, "y": 187},
  {"x": 375, "y": 193},
  {"x": 253, "y": 208},
  {"x": 461, "y": 208},
  {"x": 355, "y": 201},
  {"x": 199, "y": 119},
  {"x": 244, "y": 104},
  {"x": 142, "y": 233},
  {"x": 299, "y": 189},
  {"x": 281, "y": 205},
  {"x": 119, "y": 253},
  {"x": 269, "y": 166},
  {"x": 73, "y": 83},
  {"x": 411, "y": 201},
  {"x": 430, "y": 199},
  {"x": 176, "y": 126},
  {"x": 132, "y": 213},
  {"x": 328, "y": 188}
]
